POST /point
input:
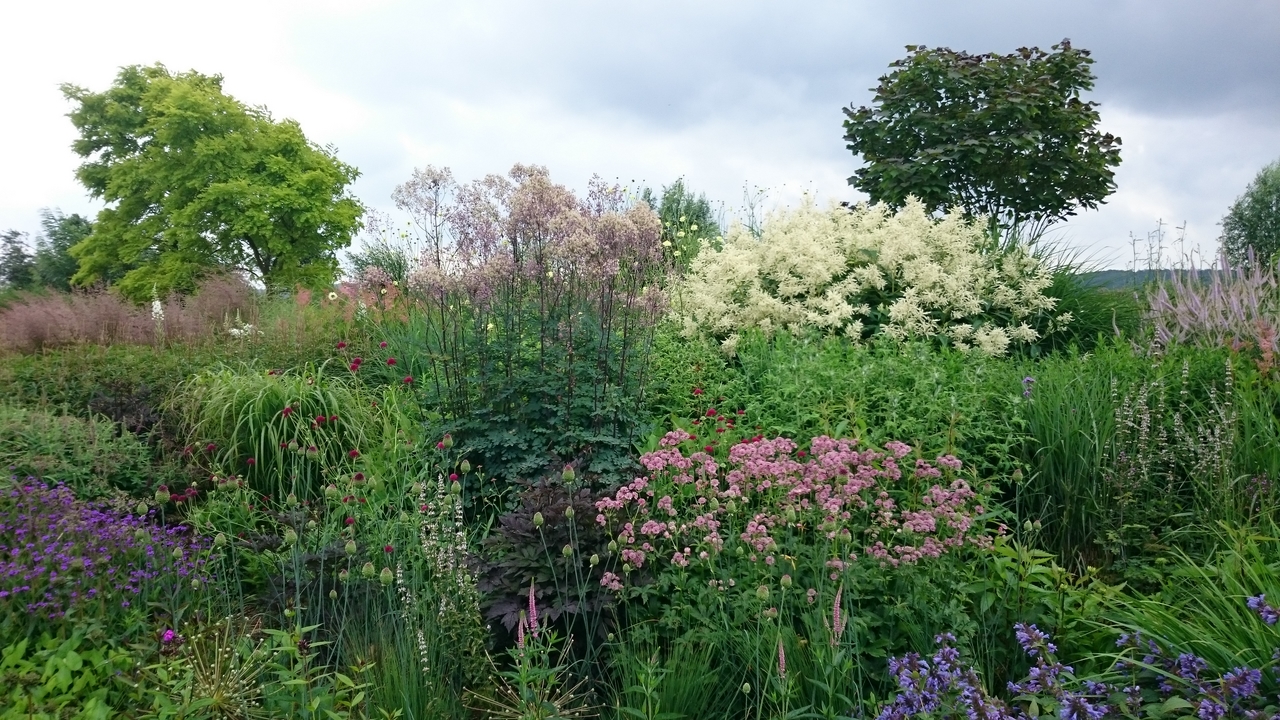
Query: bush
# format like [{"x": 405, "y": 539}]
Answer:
[
  {"x": 534, "y": 313},
  {"x": 95, "y": 458},
  {"x": 866, "y": 271}
]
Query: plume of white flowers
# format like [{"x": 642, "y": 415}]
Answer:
[{"x": 865, "y": 270}]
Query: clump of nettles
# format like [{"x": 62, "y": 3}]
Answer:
[{"x": 867, "y": 271}]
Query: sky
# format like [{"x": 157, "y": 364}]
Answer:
[{"x": 735, "y": 97}]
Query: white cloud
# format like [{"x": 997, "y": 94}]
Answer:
[{"x": 723, "y": 93}]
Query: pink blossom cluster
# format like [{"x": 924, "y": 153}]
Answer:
[{"x": 771, "y": 495}]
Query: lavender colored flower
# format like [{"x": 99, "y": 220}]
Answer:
[{"x": 1259, "y": 605}]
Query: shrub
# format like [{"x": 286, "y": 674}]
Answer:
[
  {"x": 94, "y": 458},
  {"x": 868, "y": 271},
  {"x": 535, "y": 312}
]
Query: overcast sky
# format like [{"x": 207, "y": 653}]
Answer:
[{"x": 725, "y": 94}]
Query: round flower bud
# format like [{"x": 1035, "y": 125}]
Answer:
[
  {"x": 568, "y": 512},
  {"x": 465, "y": 467},
  {"x": 177, "y": 553},
  {"x": 368, "y": 571},
  {"x": 142, "y": 535},
  {"x": 291, "y": 500},
  {"x": 746, "y": 688},
  {"x": 771, "y": 613},
  {"x": 141, "y": 509},
  {"x": 786, "y": 581},
  {"x": 731, "y": 506},
  {"x": 195, "y": 583},
  {"x": 1026, "y": 525},
  {"x": 537, "y": 519},
  {"x": 385, "y": 577},
  {"x": 311, "y": 525},
  {"x": 610, "y": 638},
  {"x": 162, "y": 495},
  {"x": 791, "y": 515},
  {"x": 220, "y": 540},
  {"x": 290, "y": 537},
  {"x": 331, "y": 491},
  {"x": 762, "y": 592},
  {"x": 740, "y": 552},
  {"x": 351, "y": 547},
  {"x": 448, "y": 441},
  {"x": 343, "y": 575},
  {"x": 416, "y": 488},
  {"x": 626, "y": 567},
  {"x": 456, "y": 488},
  {"x": 613, "y": 546},
  {"x": 567, "y": 551},
  {"x": 567, "y": 475},
  {"x": 714, "y": 504},
  {"x": 333, "y": 594},
  {"x": 1036, "y": 525},
  {"x": 595, "y": 560},
  {"x": 288, "y": 612},
  {"x": 1017, "y": 474}
]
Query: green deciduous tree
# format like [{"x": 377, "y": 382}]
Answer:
[
  {"x": 15, "y": 261},
  {"x": 1254, "y": 220},
  {"x": 688, "y": 221},
  {"x": 195, "y": 180},
  {"x": 1007, "y": 136},
  {"x": 54, "y": 264}
]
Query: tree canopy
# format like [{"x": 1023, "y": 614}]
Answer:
[
  {"x": 54, "y": 264},
  {"x": 17, "y": 267},
  {"x": 1253, "y": 222},
  {"x": 195, "y": 180},
  {"x": 1006, "y": 136}
]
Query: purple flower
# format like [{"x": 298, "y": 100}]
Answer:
[{"x": 1259, "y": 605}]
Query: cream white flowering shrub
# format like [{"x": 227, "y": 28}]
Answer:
[{"x": 867, "y": 270}]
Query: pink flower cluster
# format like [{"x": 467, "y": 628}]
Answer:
[{"x": 770, "y": 493}]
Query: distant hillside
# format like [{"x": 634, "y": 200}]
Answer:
[{"x": 1125, "y": 279}]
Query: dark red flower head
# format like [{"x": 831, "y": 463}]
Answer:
[
  {"x": 408, "y": 379},
  {"x": 341, "y": 345},
  {"x": 354, "y": 367},
  {"x": 358, "y": 477},
  {"x": 453, "y": 476},
  {"x": 333, "y": 418},
  {"x": 251, "y": 461},
  {"x": 710, "y": 448},
  {"x": 351, "y": 521},
  {"x": 391, "y": 361},
  {"x": 711, "y": 412},
  {"x": 210, "y": 447},
  {"x": 320, "y": 419},
  {"x": 287, "y": 411},
  {"x": 382, "y": 344},
  {"x": 388, "y": 549},
  {"x": 697, "y": 391},
  {"x": 357, "y": 360},
  {"x": 353, "y": 454}
]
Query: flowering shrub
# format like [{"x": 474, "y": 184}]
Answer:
[
  {"x": 772, "y": 497},
  {"x": 862, "y": 271},
  {"x": 62, "y": 557},
  {"x": 534, "y": 313}
]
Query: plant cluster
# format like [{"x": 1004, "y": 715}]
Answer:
[{"x": 869, "y": 271}]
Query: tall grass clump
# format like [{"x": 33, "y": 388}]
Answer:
[{"x": 283, "y": 432}]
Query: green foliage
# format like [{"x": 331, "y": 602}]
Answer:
[
  {"x": 62, "y": 679},
  {"x": 941, "y": 401},
  {"x": 688, "y": 222},
  {"x": 1253, "y": 221},
  {"x": 95, "y": 458},
  {"x": 1202, "y": 608},
  {"x": 284, "y": 432},
  {"x": 1003, "y": 136},
  {"x": 195, "y": 181},
  {"x": 54, "y": 263},
  {"x": 1097, "y": 313}
]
